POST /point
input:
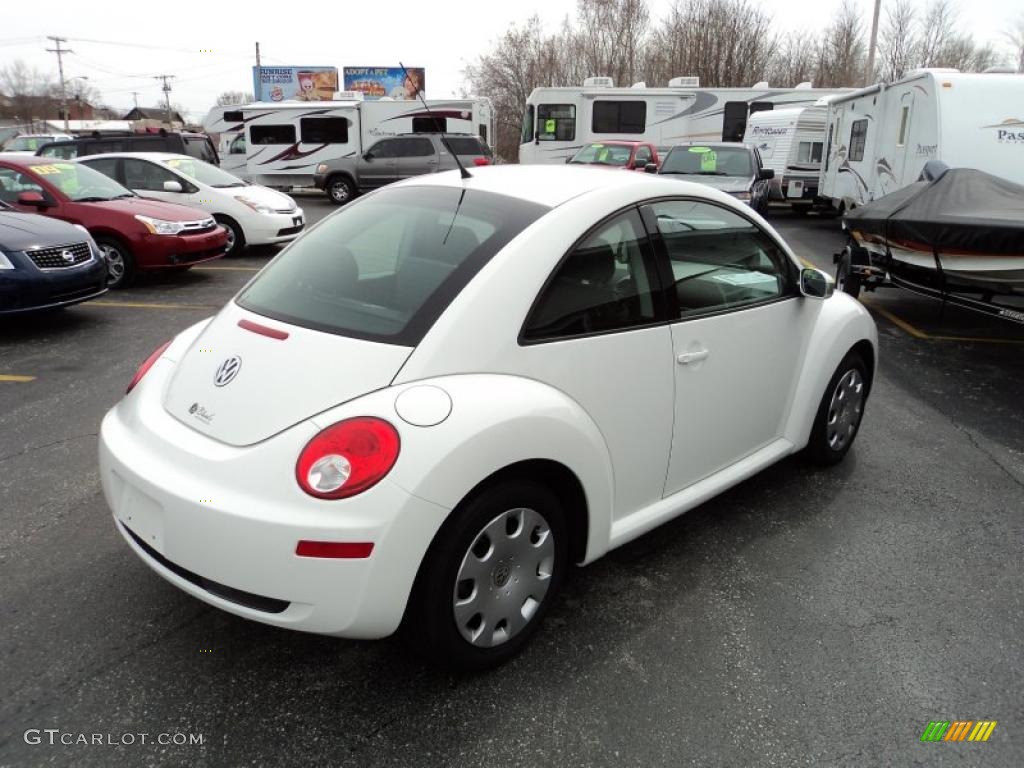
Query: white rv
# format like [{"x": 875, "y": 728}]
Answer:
[
  {"x": 280, "y": 144},
  {"x": 791, "y": 142},
  {"x": 879, "y": 138},
  {"x": 558, "y": 121}
]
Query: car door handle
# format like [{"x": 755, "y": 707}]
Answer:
[{"x": 692, "y": 357}]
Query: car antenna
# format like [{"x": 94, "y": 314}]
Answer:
[{"x": 462, "y": 169}]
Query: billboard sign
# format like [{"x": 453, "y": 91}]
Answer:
[
  {"x": 378, "y": 82},
  {"x": 298, "y": 83}
]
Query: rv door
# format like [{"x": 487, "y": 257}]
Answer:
[{"x": 903, "y": 126}]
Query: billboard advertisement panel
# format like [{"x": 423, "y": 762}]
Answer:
[
  {"x": 378, "y": 82},
  {"x": 299, "y": 83}
]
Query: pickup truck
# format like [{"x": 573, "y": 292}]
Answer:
[{"x": 395, "y": 158}]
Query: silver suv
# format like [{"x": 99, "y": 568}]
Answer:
[{"x": 395, "y": 158}]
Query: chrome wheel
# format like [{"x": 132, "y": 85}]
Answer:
[
  {"x": 115, "y": 263},
  {"x": 340, "y": 192},
  {"x": 230, "y": 245},
  {"x": 504, "y": 577},
  {"x": 844, "y": 410}
]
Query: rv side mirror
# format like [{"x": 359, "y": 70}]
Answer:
[
  {"x": 32, "y": 198},
  {"x": 172, "y": 186},
  {"x": 766, "y": 173},
  {"x": 651, "y": 168},
  {"x": 815, "y": 284}
]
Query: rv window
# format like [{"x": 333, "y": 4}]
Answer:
[
  {"x": 272, "y": 134},
  {"x": 619, "y": 117},
  {"x": 556, "y": 122},
  {"x": 809, "y": 152},
  {"x": 415, "y": 147},
  {"x": 324, "y": 130},
  {"x": 761, "y": 106},
  {"x": 858, "y": 138},
  {"x": 237, "y": 145},
  {"x": 429, "y": 124},
  {"x": 233, "y": 117},
  {"x": 527, "y": 135},
  {"x": 904, "y": 117},
  {"x": 483, "y": 132},
  {"x": 734, "y": 121}
]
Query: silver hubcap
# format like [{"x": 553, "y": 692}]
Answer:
[
  {"x": 115, "y": 262},
  {"x": 231, "y": 238},
  {"x": 844, "y": 410},
  {"x": 339, "y": 191},
  {"x": 504, "y": 577}
]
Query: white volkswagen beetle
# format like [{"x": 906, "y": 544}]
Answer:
[{"x": 426, "y": 408}]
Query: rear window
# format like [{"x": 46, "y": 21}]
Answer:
[
  {"x": 200, "y": 147},
  {"x": 385, "y": 267},
  {"x": 466, "y": 146}
]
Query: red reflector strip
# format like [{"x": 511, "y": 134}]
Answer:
[
  {"x": 263, "y": 330},
  {"x": 336, "y": 549},
  {"x": 481, "y": 161}
]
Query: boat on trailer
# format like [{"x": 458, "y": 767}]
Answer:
[{"x": 956, "y": 235}]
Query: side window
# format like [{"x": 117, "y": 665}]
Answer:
[
  {"x": 105, "y": 165},
  {"x": 429, "y": 124},
  {"x": 734, "y": 121},
  {"x": 828, "y": 149},
  {"x": 324, "y": 130},
  {"x": 272, "y": 134},
  {"x": 384, "y": 149},
  {"x": 144, "y": 175},
  {"x": 13, "y": 183},
  {"x": 602, "y": 285},
  {"x": 237, "y": 146},
  {"x": 904, "y": 118},
  {"x": 858, "y": 138},
  {"x": 620, "y": 117},
  {"x": 63, "y": 151},
  {"x": 809, "y": 152},
  {"x": 718, "y": 259},
  {"x": 415, "y": 148},
  {"x": 642, "y": 157},
  {"x": 527, "y": 135},
  {"x": 556, "y": 122}
]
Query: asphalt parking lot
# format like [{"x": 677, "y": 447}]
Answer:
[{"x": 804, "y": 618}]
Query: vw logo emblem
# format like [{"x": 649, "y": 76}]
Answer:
[
  {"x": 227, "y": 371},
  {"x": 68, "y": 256}
]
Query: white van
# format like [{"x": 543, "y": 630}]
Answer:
[
  {"x": 791, "y": 142},
  {"x": 558, "y": 121},
  {"x": 879, "y": 138},
  {"x": 281, "y": 144}
]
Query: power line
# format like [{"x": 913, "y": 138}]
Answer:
[
  {"x": 167, "y": 94},
  {"x": 60, "y": 68}
]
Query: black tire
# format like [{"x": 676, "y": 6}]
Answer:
[
  {"x": 340, "y": 189},
  {"x": 846, "y": 280},
  {"x": 430, "y": 627},
  {"x": 823, "y": 449},
  {"x": 121, "y": 268},
  {"x": 236, "y": 237}
]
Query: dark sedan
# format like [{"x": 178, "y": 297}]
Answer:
[
  {"x": 732, "y": 168},
  {"x": 46, "y": 263}
]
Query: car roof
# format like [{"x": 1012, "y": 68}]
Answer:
[
  {"x": 718, "y": 144},
  {"x": 548, "y": 185},
  {"x": 623, "y": 142},
  {"x": 156, "y": 156}
]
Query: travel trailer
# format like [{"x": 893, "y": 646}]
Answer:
[
  {"x": 557, "y": 122},
  {"x": 791, "y": 142},
  {"x": 280, "y": 144},
  {"x": 878, "y": 139}
]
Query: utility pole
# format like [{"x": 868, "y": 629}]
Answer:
[
  {"x": 166, "y": 88},
  {"x": 259, "y": 75},
  {"x": 135, "y": 98},
  {"x": 60, "y": 68},
  {"x": 870, "y": 74}
]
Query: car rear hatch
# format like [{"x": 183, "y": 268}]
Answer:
[
  {"x": 247, "y": 378},
  {"x": 471, "y": 150}
]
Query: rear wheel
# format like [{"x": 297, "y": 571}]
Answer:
[
  {"x": 236, "y": 237},
  {"x": 340, "y": 190},
  {"x": 840, "y": 412},
  {"x": 120, "y": 261},
  {"x": 489, "y": 577}
]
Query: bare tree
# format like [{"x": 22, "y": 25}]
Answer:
[
  {"x": 609, "y": 37},
  {"x": 28, "y": 91},
  {"x": 897, "y": 41},
  {"x": 795, "y": 60},
  {"x": 229, "y": 98},
  {"x": 937, "y": 33},
  {"x": 842, "y": 49},
  {"x": 1015, "y": 36}
]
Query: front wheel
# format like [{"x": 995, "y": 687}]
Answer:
[
  {"x": 120, "y": 261},
  {"x": 840, "y": 412},
  {"x": 340, "y": 190},
  {"x": 489, "y": 577},
  {"x": 236, "y": 238}
]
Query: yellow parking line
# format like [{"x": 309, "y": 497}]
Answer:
[
  {"x": 145, "y": 305},
  {"x": 917, "y": 333},
  {"x": 226, "y": 269},
  {"x": 19, "y": 379}
]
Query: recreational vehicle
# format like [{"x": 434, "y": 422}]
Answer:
[
  {"x": 791, "y": 142},
  {"x": 558, "y": 121},
  {"x": 878, "y": 139},
  {"x": 280, "y": 144}
]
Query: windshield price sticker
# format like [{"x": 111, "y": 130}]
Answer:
[
  {"x": 708, "y": 161},
  {"x": 46, "y": 170},
  {"x": 549, "y": 126}
]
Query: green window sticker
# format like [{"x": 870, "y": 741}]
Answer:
[
  {"x": 549, "y": 126},
  {"x": 699, "y": 150},
  {"x": 602, "y": 156},
  {"x": 709, "y": 161}
]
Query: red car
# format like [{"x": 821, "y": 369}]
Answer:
[
  {"x": 629, "y": 155},
  {"x": 134, "y": 233}
]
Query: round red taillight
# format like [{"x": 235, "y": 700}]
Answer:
[
  {"x": 146, "y": 365},
  {"x": 347, "y": 458}
]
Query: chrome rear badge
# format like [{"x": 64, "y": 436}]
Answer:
[
  {"x": 200, "y": 413},
  {"x": 227, "y": 371}
]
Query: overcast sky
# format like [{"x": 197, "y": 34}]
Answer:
[{"x": 210, "y": 46}]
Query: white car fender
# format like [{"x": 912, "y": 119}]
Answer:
[{"x": 843, "y": 323}]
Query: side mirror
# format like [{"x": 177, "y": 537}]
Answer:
[
  {"x": 815, "y": 284},
  {"x": 651, "y": 168},
  {"x": 172, "y": 186},
  {"x": 368, "y": 156},
  {"x": 33, "y": 199},
  {"x": 766, "y": 173},
  {"x": 569, "y": 159}
]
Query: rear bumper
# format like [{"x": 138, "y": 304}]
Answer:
[
  {"x": 29, "y": 289},
  {"x": 222, "y": 523}
]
